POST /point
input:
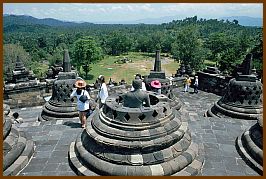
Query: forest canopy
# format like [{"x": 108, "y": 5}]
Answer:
[{"x": 190, "y": 41}]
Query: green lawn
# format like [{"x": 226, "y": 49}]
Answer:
[
  {"x": 141, "y": 63},
  {"x": 116, "y": 71}
]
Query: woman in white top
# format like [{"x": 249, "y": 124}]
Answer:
[
  {"x": 103, "y": 93},
  {"x": 81, "y": 106}
]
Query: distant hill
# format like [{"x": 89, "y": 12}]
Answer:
[
  {"x": 245, "y": 20},
  {"x": 160, "y": 20},
  {"x": 29, "y": 20}
]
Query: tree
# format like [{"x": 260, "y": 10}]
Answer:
[
  {"x": 217, "y": 43},
  {"x": 228, "y": 50},
  {"x": 188, "y": 47},
  {"x": 118, "y": 42},
  {"x": 11, "y": 51},
  {"x": 257, "y": 53},
  {"x": 235, "y": 21},
  {"x": 86, "y": 51}
]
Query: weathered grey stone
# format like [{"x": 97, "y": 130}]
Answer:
[
  {"x": 16, "y": 149},
  {"x": 250, "y": 148},
  {"x": 60, "y": 106},
  {"x": 111, "y": 146}
]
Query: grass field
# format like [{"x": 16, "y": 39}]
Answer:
[{"x": 141, "y": 63}]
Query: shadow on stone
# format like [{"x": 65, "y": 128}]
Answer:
[{"x": 72, "y": 124}]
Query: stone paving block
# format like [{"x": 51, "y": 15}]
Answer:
[
  {"x": 51, "y": 167},
  {"x": 213, "y": 172},
  {"x": 63, "y": 167},
  {"x": 211, "y": 140},
  {"x": 49, "y": 173},
  {"x": 214, "y": 158},
  {"x": 38, "y": 161},
  {"x": 49, "y": 142},
  {"x": 211, "y": 145},
  {"x": 33, "y": 168},
  {"x": 63, "y": 147},
  {"x": 42, "y": 154},
  {"x": 31, "y": 174},
  {"x": 232, "y": 173},
  {"x": 45, "y": 147},
  {"x": 66, "y": 173},
  {"x": 208, "y": 131}
]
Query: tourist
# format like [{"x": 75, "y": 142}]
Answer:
[
  {"x": 16, "y": 119},
  {"x": 187, "y": 83},
  {"x": 137, "y": 98},
  {"x": 143, "y": 86},
  {"x": 103, "y": 92},
  {"x": 196, "y": 84},
  {"x": 156, "y": 86},
  {"x": 82, "y": 107}
]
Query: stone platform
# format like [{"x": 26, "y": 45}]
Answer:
[{"x": 216, "y": 139}]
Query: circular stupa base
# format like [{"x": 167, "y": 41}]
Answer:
[
  {"x": 249, "y": 147},
  {"x": 85, "y": 163},
  {"x": 221, "y": 110},
  {"x": 17, "y": 149}
]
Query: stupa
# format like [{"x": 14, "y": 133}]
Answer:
[
  {"x": 60, "y": 106},
  {"x": 135, "y": 141},
  {"x": 243, "y": 97},
  {"x": 17, "y": 149},
  {"x": 158, "y": 74},
  {"x": 250, "y": 146}
]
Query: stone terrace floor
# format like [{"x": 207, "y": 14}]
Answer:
[{"x": 215, "y": 137}]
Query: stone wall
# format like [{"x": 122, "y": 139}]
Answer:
[
  {"x": 26, "y": 97},
  {"x": 214, "y": 83}
]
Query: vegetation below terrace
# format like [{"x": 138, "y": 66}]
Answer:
[{"x": 191, "y": 41}]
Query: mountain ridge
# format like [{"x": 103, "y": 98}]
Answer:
[{"x": 10, "y": 19}]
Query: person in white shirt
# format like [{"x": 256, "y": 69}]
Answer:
[
  {"x": 82, "y": 107},
  {"x": 103, "y": 92},
  {"x": 143, "y": 86},
  {"x": 196, "y": 84}
]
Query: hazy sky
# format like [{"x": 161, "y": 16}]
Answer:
[{"x": 110, "y": 12}]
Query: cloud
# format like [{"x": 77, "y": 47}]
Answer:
[{"x": 131, "y": 11}]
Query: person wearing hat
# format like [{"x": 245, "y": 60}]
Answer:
[
  {"x": 103, "y": 92},
  {"x": 196, "y": 84},
  {"x": 143, "y": 86},
  {"x": 156, "y": 86},
  {"x": 187, "y": 83},
  {"x": 82, "y": 107},
  {"x": 136, "y": 98}
]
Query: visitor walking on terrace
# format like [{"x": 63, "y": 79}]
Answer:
[
  {"x": 103, "y": 92},
  {"x": 196, "y": 84},
  {"x": 187, "y": 83},
  {"x": 83, "y": 98}
]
